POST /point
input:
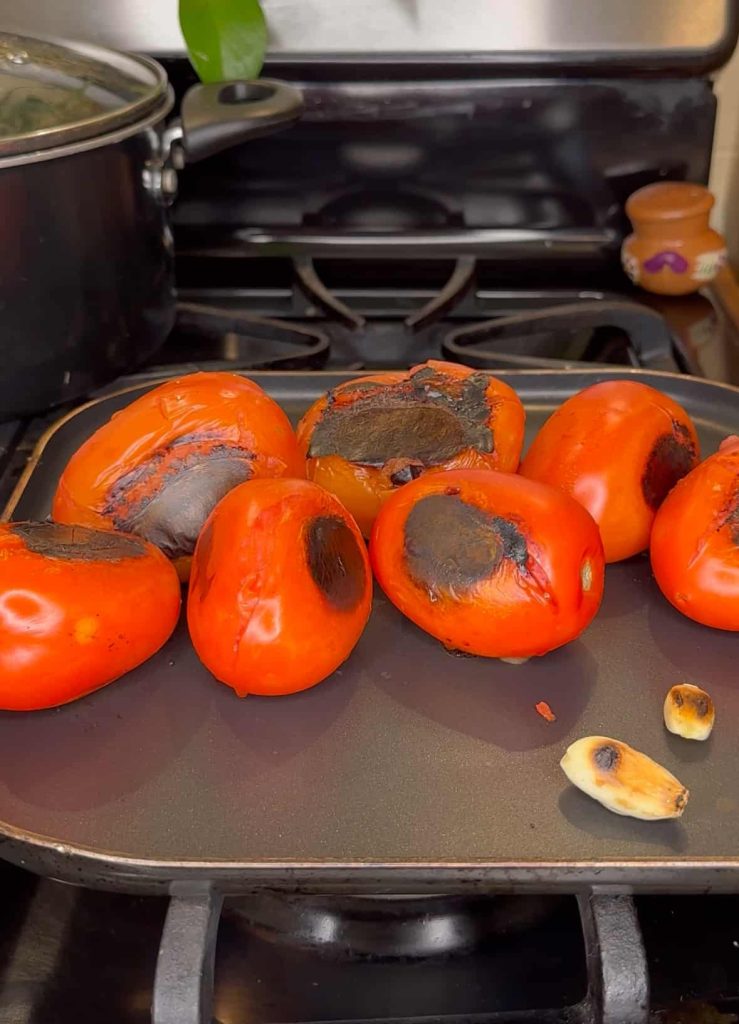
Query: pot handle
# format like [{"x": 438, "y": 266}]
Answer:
[{"x": 218, "y": 115}]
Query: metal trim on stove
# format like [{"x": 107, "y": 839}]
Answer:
[{"x": 508, "y": 243}]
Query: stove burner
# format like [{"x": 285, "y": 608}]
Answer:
[
  {"x": 386, "y": 210},
  {"x": 387, "y": 927},
  {"x": 206, "y": 334},
  {"x": 599, "y": 332}
]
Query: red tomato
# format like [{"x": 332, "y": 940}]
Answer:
[
  {"x": 369, "y": 436},
  {"x": 281, "y": 587},
  {"x": 489, "y": 563},
  {"x": 617, "y": 447},
  {"x": 695, "y": 541},
  {"x": 158, "y": 466},
  {"x": 78, "y": 609}
]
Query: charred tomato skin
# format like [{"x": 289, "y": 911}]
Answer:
[
  {"x": 489, "y": 563},
  {"x": 618, "y": 447},
  {"x": 281, "y": 587},
  {"x": 371, "y": 435},
  {"x": 78, "y": 609},
  {"x": 159, "y": 466},
  {"x": 695, "y": 541}
]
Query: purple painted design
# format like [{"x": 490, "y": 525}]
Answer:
[{"x": 672, "y": 260}]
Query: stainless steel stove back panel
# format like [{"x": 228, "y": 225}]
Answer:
[{"x": 680, "y": 32}]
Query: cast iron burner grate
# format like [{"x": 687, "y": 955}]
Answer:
[
  {"x": 617, "y": 971},
  {"x": 210, "y": 336},
  {"x": 572, "y": 334}
]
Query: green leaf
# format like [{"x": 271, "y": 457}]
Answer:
[{"x": 225, "y": 38}]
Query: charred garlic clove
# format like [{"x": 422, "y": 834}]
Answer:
[
  {"x": 689, "y": 712},
  {"x": 623, "y": 779}
]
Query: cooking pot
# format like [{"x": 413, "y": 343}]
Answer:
[{"x": 88, "y": 168}]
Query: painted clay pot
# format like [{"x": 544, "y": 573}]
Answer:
[{"x": 672, "y": 251}]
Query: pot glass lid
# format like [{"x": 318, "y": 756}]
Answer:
[{"x": 53, "y": 93}]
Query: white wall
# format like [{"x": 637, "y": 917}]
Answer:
[{"x": 725, "y": 166}]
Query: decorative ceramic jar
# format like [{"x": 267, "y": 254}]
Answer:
[{"x": 672, "y": 251}]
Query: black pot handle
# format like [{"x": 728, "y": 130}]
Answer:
[{"x": 218, "y": 115}]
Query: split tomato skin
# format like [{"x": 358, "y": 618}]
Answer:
[
  {"x": 159, "y": 466},
  {"x": 78, "y": 609},
  {"x": 489, "y": 563},
  {"x": 695, "y": 541},
  {"x": 370, "y": 436},
  {"x": 618, "y": 447},
  {"x": 281, "y": 587}
]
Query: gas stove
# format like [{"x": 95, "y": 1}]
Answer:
[
  {"x": 419, "y": 211},
  {"x": 69, "y": 954}
]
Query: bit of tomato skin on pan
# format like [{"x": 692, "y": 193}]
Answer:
[
  {"x": 369, "y": 436},
  {"x": 618, "y": 447},
  {"x": 159, "y": 466},
  {"x": 489, "y": 563},
  {"x": 78, "y": 609},
  {"x": 281, "y": 587},
  {"x": 695, "y": 541},
  {"x": 543, "y": 709}
]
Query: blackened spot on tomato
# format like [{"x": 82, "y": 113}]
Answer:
[
  {"x": 730, "y": 515},
  {"x": 672, "y": 456},
  {"x": 677, "y": 698},
  {"x": 450, "y": 545},
  {"x": 175, "y": 490},
  {"x": 77, "y": 543},
  {"x": 428, "y": 418},
  {"x": 411, "y": 471},
  {"x": 606, "y": 758},
  {"x": 335, "y": 561}
]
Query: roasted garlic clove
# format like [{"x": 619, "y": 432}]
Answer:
[
  {"x": 623, "y": 779},
  {"x": 689, "y": 712}
]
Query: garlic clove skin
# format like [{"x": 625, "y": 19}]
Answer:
[
  {"x": 624, "y": 780},
  {"x": 689, "y": 712}
]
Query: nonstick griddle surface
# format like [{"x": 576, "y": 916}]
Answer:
[{"x": 409, "y": 769}]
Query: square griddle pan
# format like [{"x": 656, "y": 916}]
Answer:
[{"x": 409, "y": 770}]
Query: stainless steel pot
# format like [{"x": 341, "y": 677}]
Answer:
[{"x": 88, "y": 167}]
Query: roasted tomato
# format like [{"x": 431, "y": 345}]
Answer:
[
  {"x": 489, "y": 563},
  {"x": 281, "y": 587},
  {"x": 695, "y": 541},
  {"x": 78, "y": 609},
  {"x": 158, "y": 466},
  {"x": 618, "y": 447},
  {"x": 367, "y": 437}
]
